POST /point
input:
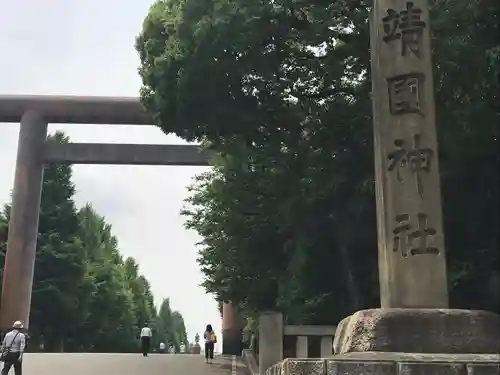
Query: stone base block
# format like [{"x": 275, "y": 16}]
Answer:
[
  {"x": 419, "y": 331},
  {"x": 380, "y": 363},
  {"x": 196, "y": 349}
]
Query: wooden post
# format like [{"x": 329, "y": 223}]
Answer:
[
  {"x": 412, "y": 262},
  {"x": 23, "y": 224}
]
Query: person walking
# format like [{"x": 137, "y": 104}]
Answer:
[
  {"x": 146, "y": 335},
  {"x": 162, "y": 347},
  {"x": 13, "y": 346},
  {"x": 210, "y": 341}
]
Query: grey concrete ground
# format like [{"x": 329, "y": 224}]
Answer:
[{"x": 128, "y": 364}]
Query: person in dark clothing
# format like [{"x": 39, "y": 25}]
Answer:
[{"x": 210, "y": 340}]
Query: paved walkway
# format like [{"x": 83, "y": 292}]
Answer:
[{"x": 129, "y": 364}]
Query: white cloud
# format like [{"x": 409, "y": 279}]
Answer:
[{"x": 86, "y": 48}]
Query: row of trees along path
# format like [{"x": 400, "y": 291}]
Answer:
[{"x": 86, "y": 296}]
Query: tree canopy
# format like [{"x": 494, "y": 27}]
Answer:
[
  {"x": 86, "y": 295},
  {"x": 171, "y": 328},
  {"x": 281, "y": 90}
]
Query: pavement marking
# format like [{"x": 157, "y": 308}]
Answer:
[{"x": 233, "y": 367}]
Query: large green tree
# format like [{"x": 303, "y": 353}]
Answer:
[
  {"x": 282, "y": 91},
  {"x": 112, "y": 320},
  {"x": 170, "y": 327},
  {"x": 141, "y": 291}
]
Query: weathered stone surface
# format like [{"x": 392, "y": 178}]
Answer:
[
  {"x": 276, "y": 369},
  {"x": 383, "y": 363},
  {"x": 307, "y": 366},
  {"x": 339, "y": 334},
  {"x": 419, "y": 331},
  {"x": 429, "y": 368},
  {"x": 412, "y": 254},
  {"x": 483, "y": 369},
  {"x": 360, "y": 368},
  {"x": 417, "y": 357}
]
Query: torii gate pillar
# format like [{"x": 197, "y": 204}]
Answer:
[
  {"x": 23, "y": 223},
  {"x": 232, "y": 343}
]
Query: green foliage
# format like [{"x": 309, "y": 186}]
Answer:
[
  {"x": 86, "y": 297},
  {"x": 170, "y": 326},
  {"x": 282, "y": 91}
]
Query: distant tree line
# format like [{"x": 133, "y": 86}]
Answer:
[{"x": 86, "y": 295}]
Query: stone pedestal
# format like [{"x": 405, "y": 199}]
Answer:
[
  {"x": 408, "y": 342},
  {"x": 196, "y": 349},
  {"x": 381, "y": 363},
  {"x": 419, "y": 331}
]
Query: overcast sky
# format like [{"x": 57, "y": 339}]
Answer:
[{"x": 86, "y": 47}]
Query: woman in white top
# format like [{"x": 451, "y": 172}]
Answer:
[
  {"x": 210, "y": 340},
  {"x": 146, "y": 335}
]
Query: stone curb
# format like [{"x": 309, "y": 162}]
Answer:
[
  {"x": 378, "y": 363},
  {"x": 249, "y": 360}
]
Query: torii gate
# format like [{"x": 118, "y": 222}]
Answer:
[{"x": 34, "y": 114}]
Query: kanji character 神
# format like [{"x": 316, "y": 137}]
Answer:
[{"x": 418, "y": 159}]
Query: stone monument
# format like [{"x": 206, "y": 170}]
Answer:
[
  {"x": 413, "y": 332},
  {"x": 196, "y": 349},
  {"x": 412, "y": 262},
  {"x": 408, "y": 195}
]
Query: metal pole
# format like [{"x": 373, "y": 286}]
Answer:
[{"x": 23, "y": 224}]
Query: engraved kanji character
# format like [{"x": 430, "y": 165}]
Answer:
[
  {"x": 405, "y": 93},
  {"x": 405, "y": 25},
  {"x": 398, "y": 158},
  {"x": 418, "y": 159},
  {"x": 411, "y": 29},
  {"x": 391, "y": 26},
  {"x": 404, "y": 238},
  {"x": 402, "y": 227},
  {"x": 421, "y": 234}
]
